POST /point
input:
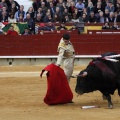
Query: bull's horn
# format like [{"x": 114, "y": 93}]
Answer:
[{"x": 84, "y": 74}]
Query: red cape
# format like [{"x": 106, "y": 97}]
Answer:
[{"x": 58, "y": 91}]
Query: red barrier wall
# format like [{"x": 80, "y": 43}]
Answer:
[{"x": 47, "y": 44}]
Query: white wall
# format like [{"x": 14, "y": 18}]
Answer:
[
  {"x": 26, "y": 3},
  {"x": 33, "y": 61}
]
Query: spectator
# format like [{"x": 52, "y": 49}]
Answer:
[
  {"x": 31, "y": 12},
  {"x": 40, "y": 11},
  {"x": 20, "y": 12},
  {"x": 11, "y": 31},
  {"x": 118, "y": 18},
  {"x": 48, "y": 18},
  {"x": 98, "y": 8},
  {"x": 66, "y": 19},
  {"x": 16, "y": 4},
  {"x": 58, "y": 13},
  {"x": 90, "y": 8},
  {"x": 50, "y": 27},
  {"x": 55, "y": 2},
  {"x": 38, "y": 18},
  {"x": 85, "y": 11},
  {"x": 111, "y": 17},
  {"x": 56, "y": 18},
  {"x": 69, "y": 3},
  {"x": 94, "y": 2},
  {"x": 117, "y": 8},
  {"x": 47, "y": 3},
  {"x": 72, "y": 8},
  {"x": 86, "y": 2},
  {"x": 62, "y": 27},
  {"x": 60, "y": 5},
  {"x": 44, "y": 8},
  {"x": 84, "y": 17},
  {"x": 115, "y": 26},
  {"x": 20, "y": 19},
  {"x": 13, "y": 9},
  {"x": 30, "y": 23},
  {"x": 4, "y": 9},
  {"x": 52, "y": 9},
  {"x": 118, "y": 1},
  {"x": 2, "y": 4},
  {"x": 48, "y": 11},
  {"x": 75, "y": 15},
  {"x": 63, "y": 7},
  {"x": 106, "y": 26},
  {"x": 42, "y": 28},
  {"x": 4, "y": 17},
  {"x": 68, "y": 9},
  {"x": 80, "y": 6},
  {"x": 12, "y": 19},
  {"x": 98, "y": 1},
  {"x": 7, "y": 2},
  {"x": 66, "y": 12},
  {"x": 36, "y": 4},
  {"x": 92, "y": 18},
  {"x": 106, "y": 15},
  {"x": 26, "y": 32},
  {"x": 110, "y": 7},
  {"x": 101, "y": 18}
]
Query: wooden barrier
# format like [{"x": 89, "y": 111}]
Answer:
[{"x": 37, "y": 45}]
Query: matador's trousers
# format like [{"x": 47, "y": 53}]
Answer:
[{"x": 68, "y": 67}]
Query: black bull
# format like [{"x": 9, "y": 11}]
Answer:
[{"x": 102, "y": 75}]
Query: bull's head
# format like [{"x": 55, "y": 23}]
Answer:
[
  {"x": 81, "y": 82},
  {"x": 86, "y": 79}
]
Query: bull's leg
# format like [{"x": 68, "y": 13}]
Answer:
[
  {"x": 108, "y": 97},
  {"x": 104, "y": 97},
  {"x": 118, "y": 86}
]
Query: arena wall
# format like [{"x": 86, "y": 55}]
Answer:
[{"x": 42, "y": 49}]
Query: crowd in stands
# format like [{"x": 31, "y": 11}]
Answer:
[
  {"x": 60, "y": 11},
  {"x": 107, "y": 26}
]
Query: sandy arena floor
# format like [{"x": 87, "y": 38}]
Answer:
[{"x": 22, "y": 92}]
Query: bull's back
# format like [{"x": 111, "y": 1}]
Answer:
[{"x": 114, "y": 66}]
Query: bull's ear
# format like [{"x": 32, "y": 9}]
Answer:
[{"x": 83, "y": 74}]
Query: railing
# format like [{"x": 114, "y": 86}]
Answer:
[
  {"x": 103, "y": 31},
  {"x": 59, "y": 32}
]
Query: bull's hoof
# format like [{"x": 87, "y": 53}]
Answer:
[
  {"x": 110, "y": 106},
  {"x": 71, "y": 101}
]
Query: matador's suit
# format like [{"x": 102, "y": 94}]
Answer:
[{"x": 66, "y": 53}]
